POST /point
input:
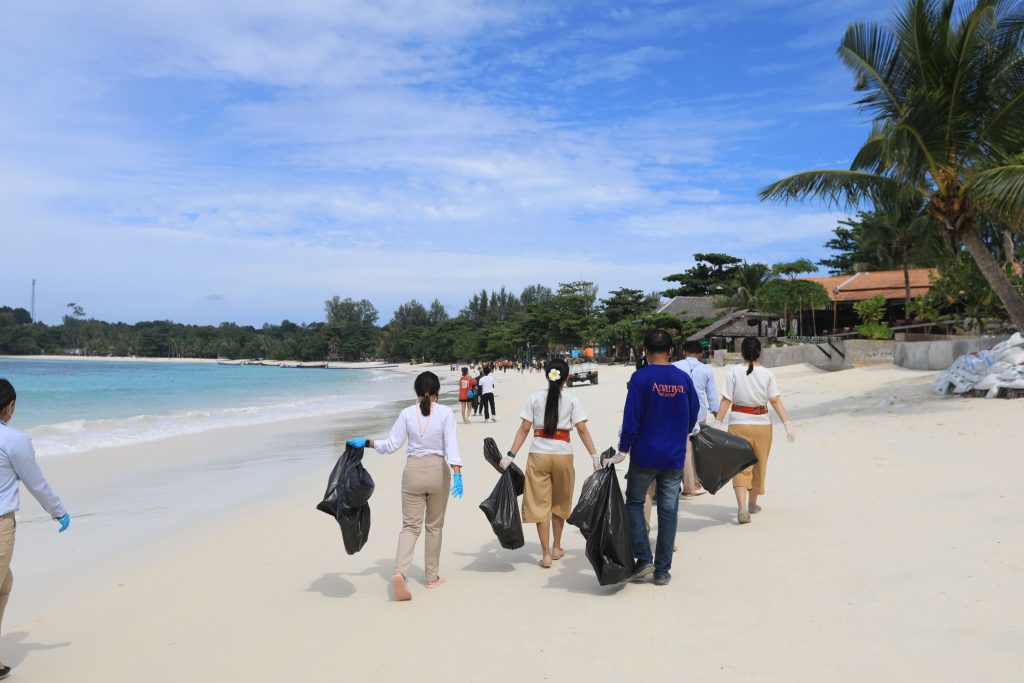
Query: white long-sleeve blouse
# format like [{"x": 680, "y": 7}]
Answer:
[{"x": 433, "y": 435}]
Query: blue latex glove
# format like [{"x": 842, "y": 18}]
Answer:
[
  {"x": 64, "y": 521},
  {"x": 457, "y": 486},
  {"x": 357, "y": 443}
]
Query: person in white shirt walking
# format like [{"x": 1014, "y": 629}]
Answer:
[
  {"x": 748, "y": 391},
  {"x": 18, "y": 465},
  {"x": 429, "y": 427},
  {"x": 707, "y": 392},
  {"x": 487, "y": 396},
  {"x": 551, "y": 415}
]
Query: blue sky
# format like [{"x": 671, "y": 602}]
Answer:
[{"x": 246, "y": 159}]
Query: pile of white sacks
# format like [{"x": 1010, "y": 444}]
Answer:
[{"x": 1001, "y": 367}]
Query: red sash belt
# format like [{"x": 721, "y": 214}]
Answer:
[
  {"x": 751, "y": 410},
  {"x": 559, "y": 435}
]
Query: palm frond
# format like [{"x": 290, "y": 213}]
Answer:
[
  {"x": 873, "y": 156},
  {"x": 871, "y": 52},
  {"x": 973, "y": 34},
  {"x": 837, "y": 189},
  {"x": 999, "y": 194},
  {"x": 1010, "y": 19},
  {"x": 1003, "y": 127},
  {"x": 916, "y": 32}
]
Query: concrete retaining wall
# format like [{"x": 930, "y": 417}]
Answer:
[
  {"x": 867, "y": 352},
  {"x": 939, "y": 354},
  {"x": 852, "y": 353}
]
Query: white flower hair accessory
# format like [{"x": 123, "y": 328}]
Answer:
[{"x": 554, "y": 375}]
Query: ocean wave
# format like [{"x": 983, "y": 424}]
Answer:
[{"x": 78, "y": 436}]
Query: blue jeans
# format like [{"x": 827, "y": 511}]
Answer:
[{"x": 638, "y": 480}]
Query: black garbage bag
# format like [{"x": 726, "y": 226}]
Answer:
[
  {"x": 493, "y": 456},
  {"x": 587, "y": 512},
  {"x": 502, "y": 510},
  {"x": 718, "y": 456},
  {"x": 610, "y": 545},
  {"x": 355, "y": 528},
  {"x": 349, "y": 487}
]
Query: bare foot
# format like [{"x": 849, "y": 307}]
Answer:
[
  {"x": 545, "y": 562},
  {"x": 400, "y": 588},
  {"x": 436, "y": 582},
  {"x": 557, "y": 554}
]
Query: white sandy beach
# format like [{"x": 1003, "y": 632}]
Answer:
[{"x": 888, "y": 549}]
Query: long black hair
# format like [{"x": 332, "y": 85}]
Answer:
[
  {"x": 7, "y": 393},
  {"x": 426, "y": 385},
  {"x": 554, "y": 393},
  {"x": 750, "y": 347}
]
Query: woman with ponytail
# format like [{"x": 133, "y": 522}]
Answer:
[
  {"x": 551, "y": 415},
  {"x": 749, "y": 388},
  {"x": 429, "y": 427}
]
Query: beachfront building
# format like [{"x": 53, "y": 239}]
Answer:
[
  {"x": 728, "y": 331},
  {"x": 690, "y": 307},
  {"x": 846, "y": 290}
]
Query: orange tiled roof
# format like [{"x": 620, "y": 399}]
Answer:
[{"x": 861, "y": 286}]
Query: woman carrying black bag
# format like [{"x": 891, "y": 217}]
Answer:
[
  {"x": 550, "y": 476},
  {"x": 748, "y": 392},
  {"x": 429, "y": 427}
]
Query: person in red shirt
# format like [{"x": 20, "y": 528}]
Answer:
[{"x": 466, "y": 384}]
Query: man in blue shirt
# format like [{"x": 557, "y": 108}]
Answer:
[
  {"x": 707, "y": 392},
  {"x": 660, "y": 412}
]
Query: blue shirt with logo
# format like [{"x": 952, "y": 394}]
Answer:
[{"x": 661, "y": 409}]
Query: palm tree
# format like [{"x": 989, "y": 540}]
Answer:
[
  {"x": 748, "y": 280},
  {"x": 946, "y": 91},
  {"x": 899, "y": 237}
]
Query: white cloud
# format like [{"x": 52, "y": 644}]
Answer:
[{"x": 278, "y": 153}]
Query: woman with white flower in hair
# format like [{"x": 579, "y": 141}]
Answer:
[{"x": 550, "y": 476}]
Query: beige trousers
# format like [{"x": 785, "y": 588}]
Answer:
[
  {"x": 760, "y": 439},
  {"x": 690, "y": 483},
  {"x": 426, "y": 483},
  {"x": 550, "y": 479},
  {"x": 7, "y": 527}
]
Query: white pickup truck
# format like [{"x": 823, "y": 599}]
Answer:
[{"x": 582, "y": 372}]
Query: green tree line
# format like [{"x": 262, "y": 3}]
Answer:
[{"x": 492, "y": 324}]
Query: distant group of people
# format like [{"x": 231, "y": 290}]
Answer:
[
  {"x": 476, "y": 394},
  {"x": 666, "y": 403},
  {"x": 505, "y": 366}
]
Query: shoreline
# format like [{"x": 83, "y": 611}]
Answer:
[
  {"x": 339, "y": 365},
  {"x": 71, "y": 431}
]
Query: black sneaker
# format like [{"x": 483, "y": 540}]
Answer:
[
  {"x": 5, "y": 671},
  {"x": 662, "y": 579},
  {"x": 642, "y": 572}
]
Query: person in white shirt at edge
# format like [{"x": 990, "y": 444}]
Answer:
[
  {"x": 18, "y": 464},
  {"x": 748, "y": 391},
  {"x": 487, "y": 396},
  {"x": 707, "y": 392},
  {"x": 550, "y": 475},
  {"x": 429, "y": 427}
]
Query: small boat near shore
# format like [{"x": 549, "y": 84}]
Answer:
[
  {"x": 228, "y": 361},
  {"x": 270, "y": 363},
  {"x": 315, "y": 365},
  {"x": 386, "y": 366}
]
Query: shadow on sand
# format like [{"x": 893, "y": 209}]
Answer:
[
  {"x": 16, "y": 647},
  {"x": 332, "y": 586}
]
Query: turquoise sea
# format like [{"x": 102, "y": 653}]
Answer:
[{"x": 71, "y": 406}]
